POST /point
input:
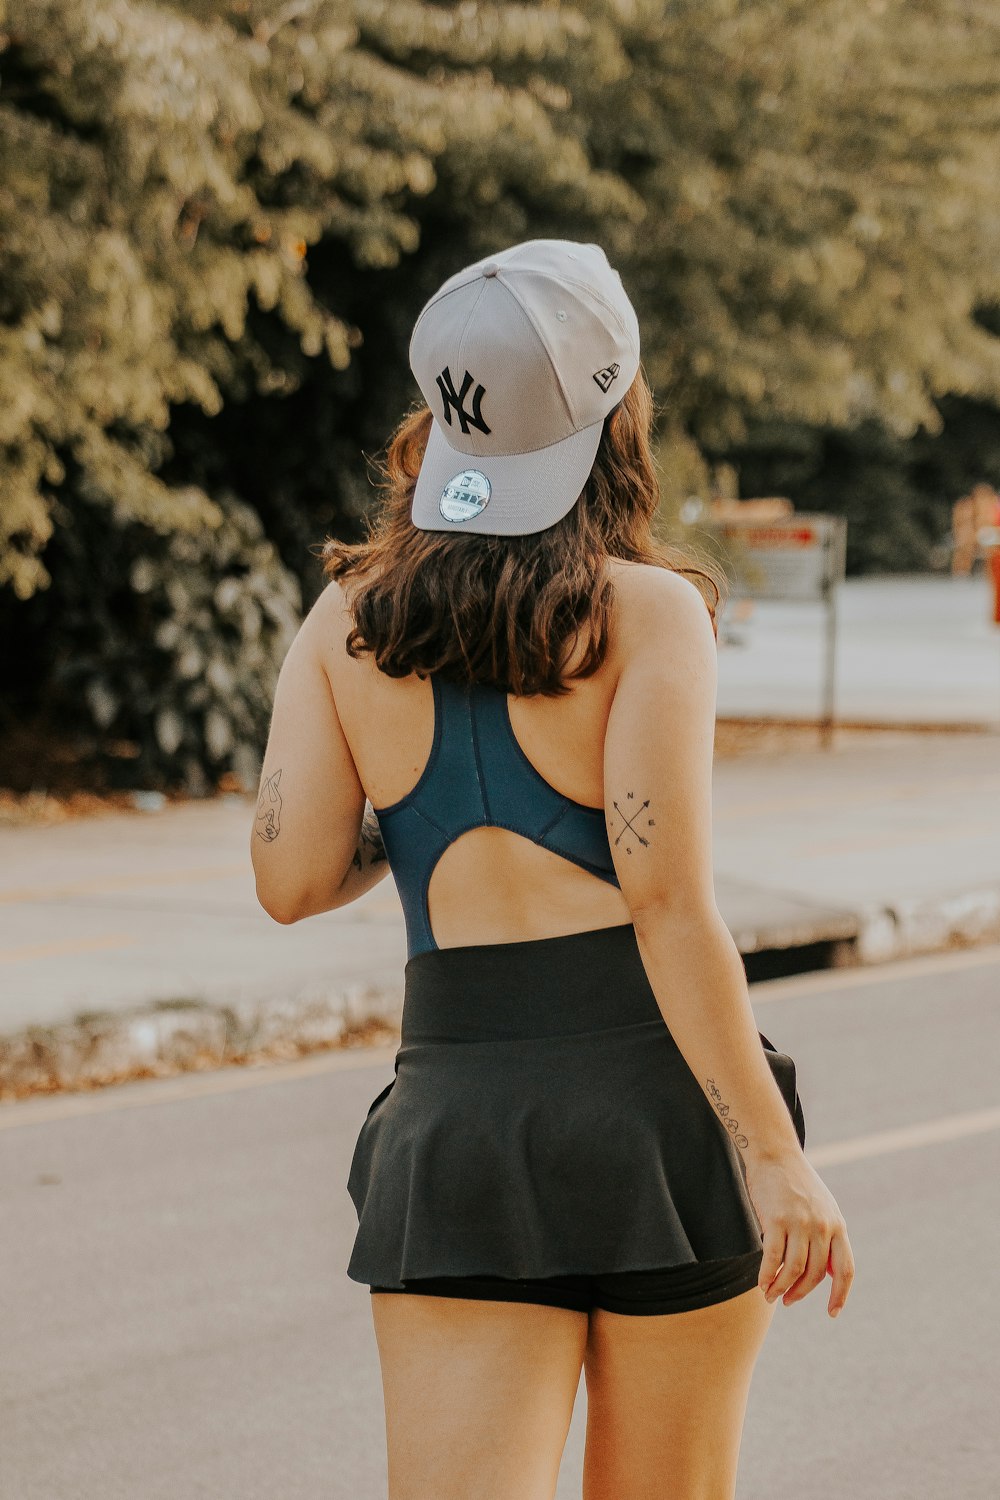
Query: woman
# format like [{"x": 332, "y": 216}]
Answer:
[{"x": 583, "y": 1128}]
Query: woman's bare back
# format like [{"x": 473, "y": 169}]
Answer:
[{"x": 521, "y": 890}]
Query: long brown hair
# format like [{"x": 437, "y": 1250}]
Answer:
[{"x": 506, "y": 610}]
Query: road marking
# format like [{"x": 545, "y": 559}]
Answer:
[
  {"x": 11, "y": 896},
  {"x": 65, "y": 945},
  {"x": 927, "y": 1133},
  {"x": 822, "y": 981}
]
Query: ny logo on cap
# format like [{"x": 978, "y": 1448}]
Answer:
[
  {"x": 456, "y": 399},
  {"x": 604, "y": 377}
]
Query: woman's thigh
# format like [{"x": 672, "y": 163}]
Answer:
[
  {"x": 479, "y": 1395},
  {"x": 666, "y": 1399}
]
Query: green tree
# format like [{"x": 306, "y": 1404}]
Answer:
[{"x": 166, "y": 173}]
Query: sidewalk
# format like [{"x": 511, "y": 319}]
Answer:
[
  {"x": 135, "y": 941},
  {"x": 912, "y": 649}
]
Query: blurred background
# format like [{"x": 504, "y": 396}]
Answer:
[{"x": 218, "y": 222}]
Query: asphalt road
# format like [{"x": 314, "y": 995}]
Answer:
[{"x": 176, "y": 1322}]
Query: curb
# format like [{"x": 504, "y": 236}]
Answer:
[
  {"x": 103, "y": 1048},
  {"x": 100, "y": 1048},
  {"x": 917, "y": 926},
  {"x": 878, "y": 932}
]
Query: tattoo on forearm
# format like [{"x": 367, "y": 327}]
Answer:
[
  {"x": 371, "y": 849},
  {"x": 635, "y": 821},
  {"x": 268, "y": 820},
  {"x": 731, "y": 1125}
]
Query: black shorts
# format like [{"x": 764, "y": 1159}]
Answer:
[{"x": 670, "y": 1290}]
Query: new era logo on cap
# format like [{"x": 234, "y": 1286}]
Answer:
[
  {"x": 503, "y": 354},
  {"x": 604, "y": 377},
  {"x": 464, "y": 496}
]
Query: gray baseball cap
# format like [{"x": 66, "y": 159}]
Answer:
[{"x": 520, "y": 358}]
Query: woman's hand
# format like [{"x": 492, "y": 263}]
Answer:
[{"x": 805, "y": 1235}]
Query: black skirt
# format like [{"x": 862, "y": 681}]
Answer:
[{"x": 542, "y": 1121}]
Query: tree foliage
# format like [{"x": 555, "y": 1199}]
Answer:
[{"x": 817, "y": 178}]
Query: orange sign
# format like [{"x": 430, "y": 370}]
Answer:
[{"x": 774, "y": 536}]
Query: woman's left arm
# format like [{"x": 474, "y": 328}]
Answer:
[{"x": 315, "y": 843}]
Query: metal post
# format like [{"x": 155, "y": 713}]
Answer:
[
  {"x": 988, "y": 537},
  {"x": 832, "y": 546},
  {"x": 826, "y": 721}
]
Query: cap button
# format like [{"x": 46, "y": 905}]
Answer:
[{"x": 490, "y": 268}]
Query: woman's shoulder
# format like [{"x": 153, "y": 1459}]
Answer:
[
  {"x": 330, "y": 610},
  {"x": 660, "y": 621},
  {"x": 329, "y": 623},
  {"x": 650, "y": 599}
]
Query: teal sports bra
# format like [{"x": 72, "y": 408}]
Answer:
[{"x": 477, "y": 776}]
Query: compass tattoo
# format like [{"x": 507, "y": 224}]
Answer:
[
  {"x": 267, "y": 823},
  {"x": 635, "y": 823}
]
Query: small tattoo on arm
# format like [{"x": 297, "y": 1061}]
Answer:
[
  {"x": 635, "y": 821},
  {"x": 370, "y": 845},
  {"x": 731, "y": 1125},
  {"x": 268, "y": 820}
]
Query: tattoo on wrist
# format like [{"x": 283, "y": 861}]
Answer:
[
  {"x": 635, "y": 822},
  {"x": 267, "y": 823},
  {"x": 371, "y": 849},
  {"x": 731, "y": 1125}
]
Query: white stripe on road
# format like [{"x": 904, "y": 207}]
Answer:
[{"x": 928, "y": 1133}]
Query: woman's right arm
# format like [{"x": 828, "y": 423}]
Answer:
[{"x": 658, "y": 796}]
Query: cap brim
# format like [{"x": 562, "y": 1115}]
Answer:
[{"x": 527, "y": 491}]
